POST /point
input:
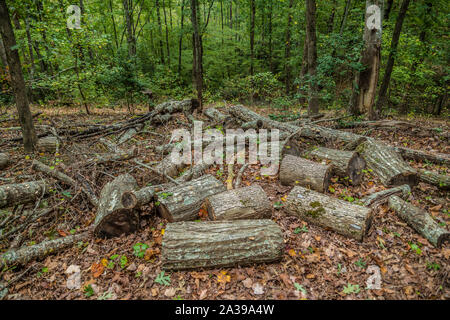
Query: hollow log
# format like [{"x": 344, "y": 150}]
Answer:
[
  {"x": 420, "y": 221},
  {"x": 4, "y": 160},
  {"x": 298, "y": 171},
  {"x": 21, "y": 193},
  {"x": 240, "y": 204},
  {"x": 214, "y": 244},
  {"x": 112, "y": 218},
  {"x": 346, "y": 164},
  {"x": 387, "y": 165},
  {"x": 26, "y": 254},
  {"x": 439, "y": 180},
  {"x": 379, "y": 198},
  {"x": 48, "y": 144},
  {"x": 39, "y": 166},
  {"x": 348, "y": 219},
  {"x": 183, "y": 202}
]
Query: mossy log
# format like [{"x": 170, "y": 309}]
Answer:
[
  {"x": 420, "y": 221},
  {"x": 387, "y": 164},
  {"x": 379, "y": 198},
  {"x": 26, "y": 254},
  {"x": 240, "y": 204},
  {"x": 439, "y": 180},
  {"x": 4, "y": 160},
  {"x": 112, "y": 219},
  {"x": 48, "y": 144},
  {"x": 21, "y": 193},
  {"x": 183, "y": 202},
  {"x": 298, "y": 171},
  {"x": 340, "y": 216},
  {"x": 346, "y": 164},
  {"x": 217, "y": 244}
]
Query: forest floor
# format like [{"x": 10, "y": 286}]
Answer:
[{"x": 317, "y": 264}]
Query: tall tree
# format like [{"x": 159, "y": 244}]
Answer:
[
  {"x": 161, "y": 46},
  {"x": 17, "y": 80},
  {"x": 366, "y": 80},
  {"x": 392, "y": 53},
  {"x": 180, "y": 41},
  {"x": 313, "y": 99},
  {"x": 252, "y": 35},
  {"x": 127, "y": 8},
  {"x": 197, "y": 51}
]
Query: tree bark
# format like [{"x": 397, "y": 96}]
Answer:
[
  {"x": 287, "y": 52},
  {"x": 387, "y": 165},
  {"x": 439, "y": 180},
  {"x": 420, "y": 221},
  {"x": 4, "y": 160},
  {"x": 161, "y": 46},
  {"x": 298, "y": 171},
  {"x": 340, "y": 216},
  {"x": 183, "y": 202},
  {"x": 365, "y": 83},
  {"x": 112, "y": 219},
  {"x": 17, "y": 80},
  {"x": 21, "y": 193},
  {"x": 392, "y": 54},
  {"x": 180, "y": 41},
  {"x": 197, "y": 52},
  {"x": 346, "y": 164},
  {"x": 252, "y": 35},
  {"x": 192, "y": 245},
  {"x": 129, "y": 25},
  {"x": 313, "y": 99},
  {"x": 48, "y": 144},
  {"x": 378, "y": 198},
  {"x": 240, "y": 204}
]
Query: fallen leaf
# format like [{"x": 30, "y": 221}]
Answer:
[
  {"x": 223, "y": 277},
  {"x": 292, "y": 253},
  {"x": 258, "y": 289},
  {"x": 170, "y": 292},
  {"x": 97, "y": 269},
  {"x": 247, "y": 283}
]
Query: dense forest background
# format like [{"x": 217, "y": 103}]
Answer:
[{"x": 252, "y": 51}]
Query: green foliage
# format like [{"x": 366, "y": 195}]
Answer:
[
  {"x": 350, "y": 288},
  {"x": 139, "y": 249},
  {"x": 163, "y": 279}
]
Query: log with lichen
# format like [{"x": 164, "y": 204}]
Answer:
[
  {"x": 239, "y": 204},
  {"x": 183, "y": 202},
  {"x": 387, "y": 164},
  {"x": 379, "y": 198},
  {"x": 112, "y": 219},
  {"x": 346, "y": 164},
  {"x": 214, "y": 244},
  {"x": 298, "y": 171},
  {"x": 420, "y": 221},
  {"x": 439, "y": 180},
  {"x": 21, "y": 193},
  {"x": 345, "y": 218}
]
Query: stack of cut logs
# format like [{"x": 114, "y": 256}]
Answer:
[{"x": 240, "y": 230}]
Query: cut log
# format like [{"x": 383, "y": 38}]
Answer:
[
  {"x": 21, "y": 193},
  {"x": 439, "y": 180},
  {"x": 387, "y": 165},
  {"x": 167, "y": 168},
  {"x": 346, "y": 164},
  {"x": 420, "y": 221},
  {"x": 379, "y": 198},
  {"x": 112, "y": 218},
  {"x": 183, "y": 202},
  {"x": 4, "y": 160},
  {"x": 417, "y": 155},
  {"x": 348, "y": 219},
  {"x": 214, "y": 244},
  {"x": 298, "y": 171},
  {"x": 137, "y": 199},
  {"x": 48, "y": 144},
  {"x": 240, "y": 204},
  {"x": 39, "y": 166},
  {"x": 26, "y": 254}
]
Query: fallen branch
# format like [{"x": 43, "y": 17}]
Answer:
[
  {"x": 21, "y": 193},
  {"x": 379, "y": 198}
]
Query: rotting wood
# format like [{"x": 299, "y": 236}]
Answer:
[
  {"x": 21, "y": 193},
  {"x": 192, "y": 245},
  {"x": 439, "y": 180}
]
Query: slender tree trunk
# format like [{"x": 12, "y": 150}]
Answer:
[
  {"x": 127, "y": 6},
  {"x": 388, "y": 9},
  {"x": 17, "y": 80},
  {"x": 30, "y": 47},
  {"x": 161, "y": 46},
  {"x": 313, "y": 99},
  {"x": 167, "y": 33},
  {"x": 344, "y": 16},
  {"x": 331, "y": 19},
  {"x": 113, "y": 23},
  {"x": 270, "y": 37},
  {"x": 287, "y": 52},
  {"x": 392, "y": 53},
  {"x": 365, "y": 84},
  {"x": 180, "y": 42},
  {"x": 3, "y": 54},
  {"x": 252, "y": 35},
  {"x": 197, "y": 52}
]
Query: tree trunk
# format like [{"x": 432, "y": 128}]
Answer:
[
  {"x": 240, "y": 204},
  {"x": 392, "y": 53},
  {"x": 21, "y": 193},
  {"x": 17, "y": 80},
  {"x": 252, "y": 35},
  {"x": 197, "y": 52},
  {"x": 340, "y": 216},
  {"x": 167, "y": 33},
  {"x": 313, "y": 99},
  {"x": 112, "y": 219},
  {"x": 180, "y": 41},
  {"x": 183, "y": 202},
  {"x": 365, "y": 84},
  {"x": 420, "y": 221},
  {"x": 387, "y": 164},
  {"x": 439, "y": 180},
  {"x": 298, "y": 171},
  {"x": 344, "y": 16},
  {"x": 287, "y": 52},
  {"x": 378, "y": 198},
  {"x": 161, "y": 46},
  {"x": 129, "y": 25},
  {"x": 193, "y": 245},
  {"x": 346, "y": 164},
  {"x": 4, "y": 160},
  {"x": 388, "y": 9}
]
